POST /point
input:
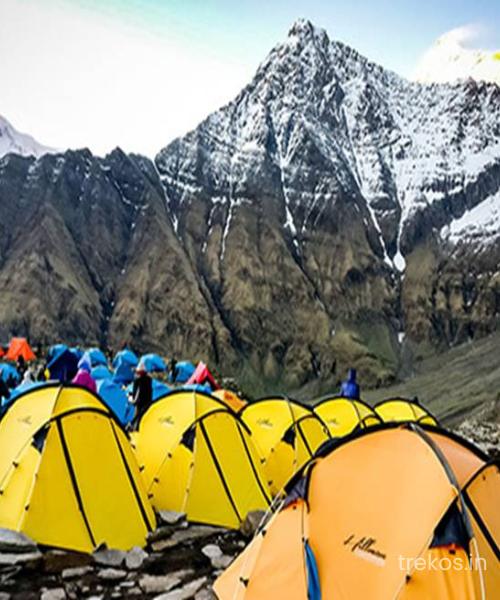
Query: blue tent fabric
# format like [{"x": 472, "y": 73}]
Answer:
[
  {"x": 125, "y": 356},
  {"x": 183, "y": 371},
  {"x": 63, "y": 365},
  {"x": 78, "y": 352},
  {"x": 96, "y": 357},
  {"x": 160, "y": 389},
  {"x": 55, "y": 350},
  {"x": 115, "y": 397},
  {"x": 101, "y": 372},
  {"x": 124, "y": 372},
  {"x": 8, "y": 372},
  {"x": 153, "y": 362},
  {"x": 197, "y": 387},
  {"x": 313, "y": 584}
]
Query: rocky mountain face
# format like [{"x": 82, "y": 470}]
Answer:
[{"x": 332, "y": 214}]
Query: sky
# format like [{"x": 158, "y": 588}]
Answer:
[{"x": 138, "y": 73}]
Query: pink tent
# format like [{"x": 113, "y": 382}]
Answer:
[{"x": 202, "y": 376}]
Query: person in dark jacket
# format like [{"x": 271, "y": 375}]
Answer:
[
  {"x": 173, "y": 370},
  {"x": 4, "y": 390},
  {"x": 142, "y": 393},
  {"x": 21, "y": 366},
  {"x": 350, "y": 387}
]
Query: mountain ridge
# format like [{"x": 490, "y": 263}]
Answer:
[{"x": 298, "y": 230}]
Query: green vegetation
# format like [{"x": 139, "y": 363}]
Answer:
[{"x": 455, "y": 384}]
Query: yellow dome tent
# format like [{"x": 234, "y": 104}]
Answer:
[
  {"x": 419, "y": 520},
  {"x": 68, "y": 477},
  {"x": 199, "y": 458},
  {"x": 287, "y": 434},
  {"x": 343, "y": 415},
  {"x": 399, "y": 410}
]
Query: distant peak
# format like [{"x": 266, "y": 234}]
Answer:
[
  {"x": 303, "y": 29},
  {"x": 12, "y": 141}
]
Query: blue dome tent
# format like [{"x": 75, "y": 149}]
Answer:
[
  {"x": 183, "y": 371},
  {"x": 63, "y": 365},
  {"x": 8, "y": 372},
  {"x": 101, "y": 372},
  {"x": 153, "y": 363},
  {"x": 125, "y": 356},
  {"x": 55, "y": 350},
  {"x": 96, "y": 357},
  {"x": 115, "y": 397}
]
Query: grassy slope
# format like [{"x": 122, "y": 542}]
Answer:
[{"x": 455, "y": 384}]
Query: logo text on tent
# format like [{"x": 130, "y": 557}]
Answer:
[
  {"x": 265, "y": 423},
  {"x": 364, "y": 547}
]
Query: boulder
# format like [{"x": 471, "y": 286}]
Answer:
[
  {"x": 171, "y": 517},
  {"x": 111, "y": 574},
  {"x": 53, "y": 594},
  {"x": 109, "y": 558},
  {"x": 14, "y": 542},
  {"x": 185, "y": 592},
  {"x": 153, "y": 584},
  {"x": 135, "y": 558}
]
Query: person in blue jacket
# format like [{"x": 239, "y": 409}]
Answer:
[{"x": 350, "y": 387}]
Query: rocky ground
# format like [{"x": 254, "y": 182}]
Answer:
[
  {"x": 483, "y": 430},
  {"x": 180, "y": 561}
]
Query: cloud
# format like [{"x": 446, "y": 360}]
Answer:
[{"x": 457, "y": 55}]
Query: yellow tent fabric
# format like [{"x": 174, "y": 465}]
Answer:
[
  {"x": 399, "y": 410},
  {"x": 343, "y": 415},
  {"x": 199, "y": 458},
  {"x": 374, "y": 535},
  {"x": 68, "y": 477},
  {"x": 297, "y": 445},
  {"x": 287, "y": 434},
  {"x": 269, "y": 419},
  {"x": 165, "y": 423}
]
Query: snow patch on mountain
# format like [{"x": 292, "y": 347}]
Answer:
[
  {"x": 452, "y": 59},
  {"x": 481, "y": 223},
  {"x": 14, "y": 142},
  {"x": 331, "y": 123}
]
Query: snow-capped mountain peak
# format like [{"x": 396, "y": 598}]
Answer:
[
  {"x": 450, "y": 59},
  {"x": 327, "y": 122},
  {"x": 12, "y": 141}
]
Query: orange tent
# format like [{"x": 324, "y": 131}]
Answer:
[
  {"x": 396, "y": 511},
  {"x": 20, "y": 347},
  {"x": 231, "y": 399}
]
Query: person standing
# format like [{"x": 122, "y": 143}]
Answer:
[
  {"x": 84, "y": 378},
  {"x": 21, "y": 366},
  {"x": 350, "y": 387},
  {"x": 4, "y": 390},
  {"x": 142, "y": 393}
]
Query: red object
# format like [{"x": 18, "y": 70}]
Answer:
[
  {"x": 1, "y": 352},
  {"x": 202, "y": 375},
  {"x": 20, "y": 347}
]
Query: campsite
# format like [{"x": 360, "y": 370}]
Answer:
[
  {"x": 208, "y": 492},
  {"x": 249, "y": 300}
]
